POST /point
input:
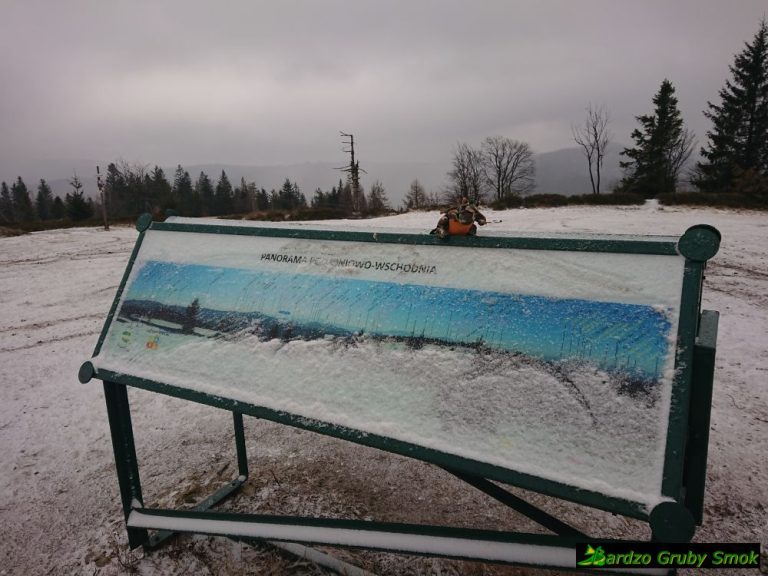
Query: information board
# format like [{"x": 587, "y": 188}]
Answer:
[{"x": 554, "y": 363}]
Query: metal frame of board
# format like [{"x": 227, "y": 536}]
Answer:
[{"x": 685, "y": 454}]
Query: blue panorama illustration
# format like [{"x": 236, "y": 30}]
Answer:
[{"x": 616, "y": 337}]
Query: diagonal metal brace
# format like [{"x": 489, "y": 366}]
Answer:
[
  {"x": 158, "y": 538},
  {"x": 519, "y": 505}
]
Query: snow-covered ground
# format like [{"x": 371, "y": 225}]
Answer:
[{"x": 59, "y": 503}]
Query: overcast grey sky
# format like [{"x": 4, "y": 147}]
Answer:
[{"x": 257, "y": 82}]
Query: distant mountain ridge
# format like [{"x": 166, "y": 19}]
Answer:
[{"x": 562, "y": 171}]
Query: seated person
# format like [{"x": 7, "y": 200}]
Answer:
[{"x": 460, "y": 220}]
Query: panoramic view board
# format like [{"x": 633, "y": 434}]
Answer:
[{"x": 556, "y": 364}]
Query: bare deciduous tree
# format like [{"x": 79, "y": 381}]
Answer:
[
  {"x": 466, "y": 177},
  {"x": 680, "y": 152},
  {"x": 416, "y": 197},
  {"x": 377, "y": 198},
  {"x": 508, "y": 166},
  {"x": 593, "y": 137}
]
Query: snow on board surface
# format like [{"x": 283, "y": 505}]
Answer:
[
  {"x": 554, "y": 364},
  {"x": 59, "y": 501}
]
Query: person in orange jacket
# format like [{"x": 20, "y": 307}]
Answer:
[{"x": 460, "y": 220}]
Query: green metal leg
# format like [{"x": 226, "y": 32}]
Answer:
[
  {"x": 119, "y": 415},
  {"x": 701, "y": 408},
  {"x": 242, "y": 456}
]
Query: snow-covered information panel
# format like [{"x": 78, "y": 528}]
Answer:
[{"x": 558, "y": 364}]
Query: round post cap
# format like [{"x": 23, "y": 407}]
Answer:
[
  {"x": 699, "y": 243},
  {"x": 672, "y": 522},
  {"x": 86, "y": 372},
  {"x": 144, "y": 222}
]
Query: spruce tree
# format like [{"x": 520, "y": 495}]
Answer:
[
  {"x": 44, "y": 200},
  {"x": 361, "y": 205},
  {"x": 223, "y": 196},
  {"x": 22, "y": 204},
  {"x": 285, "y": 195},
  {"x": 134, "y": 187},
  {"x": 332, "y": 197},
  {"x": 298, "y": 198},
  {"x": 77, "y": 207},
  {"x": 58, "y": 209},
  {"x": 183, "y": 192},
  {"x": 245, "y": 197},
  {"x": 319, "y": 199},
  {"x": 204, "y": 191},
  {"x": 6, "y": 204},
  {"x": 662, "y": 146},
  {"x": 290, "y": 197},
  {"x": 116, "y": 192},
  {"x": 738, "y": 141},
  {"x": 159, "y": 191},
  {"x": 240, "y": 197},
  {"x": 345, "y": 196},
  {"x": 190, "y": 318},
  {"x": 262, "y": 200}
]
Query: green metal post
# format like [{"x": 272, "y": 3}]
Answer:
[
  {"x": 677, "y": 431},
  {"x": 676, "y": 521},
  {"x": 242, "y": 456},
  {"x": 119, "y": 415},
  {"x": 701, "y": 406}
]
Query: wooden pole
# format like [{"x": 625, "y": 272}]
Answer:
[{"x": 103, "y": 199}]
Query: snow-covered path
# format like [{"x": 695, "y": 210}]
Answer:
[{"x": 59, "y": 504}]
